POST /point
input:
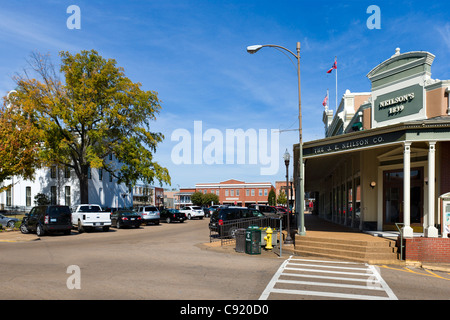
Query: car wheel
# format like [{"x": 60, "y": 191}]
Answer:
[
  {"x": 24, "y": 229},
  {"x": 10, "y": 224},
  {"x": 39, "y": 230},
  {"x": 168, "y": 220},
  {"x": 189, "y": 216},
  {"x": 118, "y": 225},
  {"x": 232, "y": 232}
]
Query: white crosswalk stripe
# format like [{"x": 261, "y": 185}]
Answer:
[{"x": 315, "y": 278}]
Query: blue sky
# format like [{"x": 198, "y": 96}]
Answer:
[{"x": 193, "y": 53}]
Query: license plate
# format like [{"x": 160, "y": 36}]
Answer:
[
  {"x": 133, "y": 218},
  {"x": 53, "y": 220}
]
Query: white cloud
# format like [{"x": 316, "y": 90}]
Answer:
[{"x": 445, "y": 33}]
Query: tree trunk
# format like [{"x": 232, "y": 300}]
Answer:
[{"x": 84, "y": 184}]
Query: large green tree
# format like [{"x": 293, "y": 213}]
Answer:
[{"x": 94, "y": 113}]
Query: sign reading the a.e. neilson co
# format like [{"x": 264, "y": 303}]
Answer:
[{"x": 354, "y": 144}]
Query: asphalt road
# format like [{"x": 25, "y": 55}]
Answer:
[
  {"x": 164, "y": 262},
  {"x": 168, "y": 261}
]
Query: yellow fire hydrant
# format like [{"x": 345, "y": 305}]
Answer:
[{"x": 268, "y": 239}]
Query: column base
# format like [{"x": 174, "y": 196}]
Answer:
[
  {"x": 431, "y": 232},
  {"x": 301, "y": 233},
  {"x": 407, "y": 232}
]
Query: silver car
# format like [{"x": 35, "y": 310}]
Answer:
[
  {"x": 149, "y": 214},
  {"x": 7, "y": 221}
]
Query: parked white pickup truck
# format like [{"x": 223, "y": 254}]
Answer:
[{"x": 90, "y": 216}]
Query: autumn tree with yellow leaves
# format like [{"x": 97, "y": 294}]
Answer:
[{"x": 94, "y": 113}]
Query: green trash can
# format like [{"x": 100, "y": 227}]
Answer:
[{"x": 253, "y": 240}]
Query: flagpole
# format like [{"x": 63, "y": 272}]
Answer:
[{"x": 335, "y": 59}]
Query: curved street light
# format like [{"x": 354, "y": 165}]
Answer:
[{"x": 300, "y": 204}]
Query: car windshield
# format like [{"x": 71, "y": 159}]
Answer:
[
  {"x": 150, "y": 209},
  {"x": 173, "y": 210},
  {"x": 197, "y": 208}
]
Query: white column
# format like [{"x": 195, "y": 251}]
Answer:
[
  {"x": 407, "y": 230},
  {"x": 431, "y": 231}
]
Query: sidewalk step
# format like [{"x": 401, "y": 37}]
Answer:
[{"x": 361, "y": 250}]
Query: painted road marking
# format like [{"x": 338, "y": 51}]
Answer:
[
  {"x": 419, "y": 272},
  {"x": 331, "y": 278}
]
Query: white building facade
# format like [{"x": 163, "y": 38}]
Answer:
[{"x": 61, "y": 186}]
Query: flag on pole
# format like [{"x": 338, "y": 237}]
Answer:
[
  {"x": 325, "y": 101},
  {"x": 334, "y": 66}
]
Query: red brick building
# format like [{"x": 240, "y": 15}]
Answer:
[{"x": 235, "y": 192}]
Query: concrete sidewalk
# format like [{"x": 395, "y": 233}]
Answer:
[
  {"x": 317, "y": 227},
  {"x": 16, "y": 236}
]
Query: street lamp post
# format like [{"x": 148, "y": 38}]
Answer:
[
  {"x": 300, "y": 200},
  {"x": 286, "y": 158}
]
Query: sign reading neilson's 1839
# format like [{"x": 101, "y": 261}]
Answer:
[{"x": 400, "y": 103}]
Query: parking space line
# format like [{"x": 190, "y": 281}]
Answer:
[{"x": 406, "y": 269}]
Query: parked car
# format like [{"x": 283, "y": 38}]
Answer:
[
  {"x": 8, "y": 222},
  {"x": 226, "y": 220},
  {"x": 90, "y": 216},
  {"x": 47, "y": 218},
  {"x": 149, "y": 214},
  {"x": 170, "y": 215},
  {"x": 193, "y": 212},
  {"x": 209, "y": 211},
  {"x": 125, "y": 218},
  {"x": 267, "y": 210},
  {"x": 281, "y": 209}
]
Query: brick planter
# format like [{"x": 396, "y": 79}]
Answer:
[{"x": 427, "y": 249}]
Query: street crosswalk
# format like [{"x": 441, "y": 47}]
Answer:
[{"x": 302, "y": 278}]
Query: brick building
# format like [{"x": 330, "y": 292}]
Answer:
[{"x": 235, "y": 192}]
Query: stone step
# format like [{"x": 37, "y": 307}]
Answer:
[
  {"x": 371, "y": 259},
  {"x": 361, "y": 249},
  {"x": 376, "y": 242},
  {"x": 348, "y": 253},
  {"x": 349, "y": 246}
]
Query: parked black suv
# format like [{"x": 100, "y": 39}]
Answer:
[
  {"x": 226, "y": 220},
  {"x": 49, "y": 218}
]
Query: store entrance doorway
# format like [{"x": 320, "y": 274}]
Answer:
[{"x": 393, "y": 199}]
